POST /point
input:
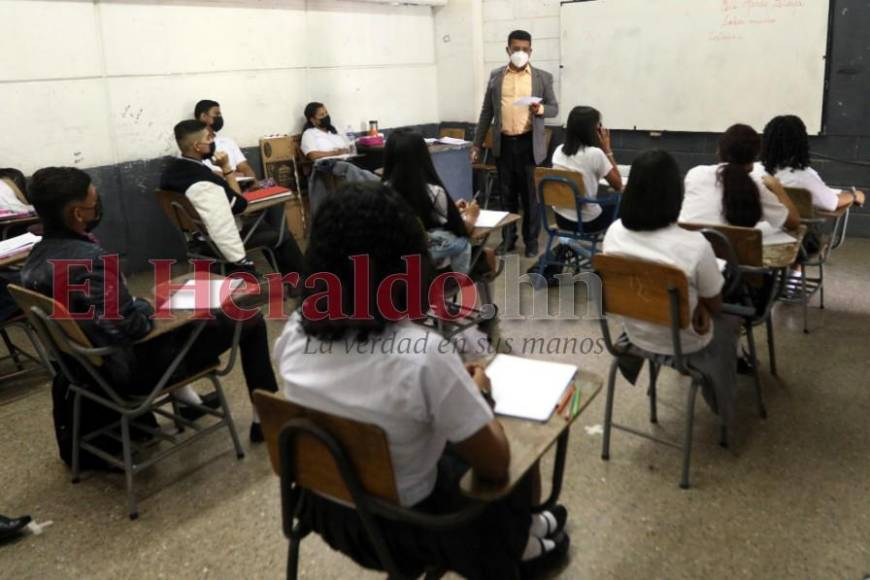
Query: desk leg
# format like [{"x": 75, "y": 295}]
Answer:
[{"x": 558, "y": 473}]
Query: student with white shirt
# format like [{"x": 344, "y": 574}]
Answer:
[
  {"x": 319, "y": 136},
  {"x": 786, "y": 156},
  {"x": 587, "y": 150},
  {"x": 13, "y": 191},
  {"x": 728, "y": 193},
  {"x": 647, "y": 229},
  {"x": 209, "y": 112},
  {"x": 432, "y": 408}
]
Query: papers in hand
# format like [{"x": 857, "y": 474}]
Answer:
[
  {"x": 202, "y": 294},
  {"x": 489, "y": 218},
  {"x": 526, "y": 388},
  {"x": 18, "y": 244},
  {"x": 527, "y": 101}
]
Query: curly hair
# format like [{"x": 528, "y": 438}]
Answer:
[
  {"x": 362, "y": 219},
  {"x": 785, "y": 144}
]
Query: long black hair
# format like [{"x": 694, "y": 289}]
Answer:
[
  {"x": 741, "y": 201},
  {"x": 653, "y": 196},
  {"x": 409, "y": 170},
  {"x": 310, "y": 111},
  {"x": 363, "y": 219},
  {"x": 581, "y": 131},
  {"x": 786, "y": 144}
]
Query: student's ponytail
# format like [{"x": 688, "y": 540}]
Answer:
[{"x": 741, "y": 201}]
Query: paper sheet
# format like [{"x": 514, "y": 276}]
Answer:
[
  {"x": 526, "y": 388},
  {"x": 452, "y": 141},
  {"x": 185, "y": 298},
  {"x": 526, "y": 101},
  {"x": 489, "y": 218},
  {"x": 18, "y": 244}
]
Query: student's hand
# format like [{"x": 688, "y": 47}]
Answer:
[
  {"x": 701, "y": 321},
  {"x": 604, "y": 138},
  {"x": 536, "y": 109},
  {"x": 472, "y": 211},
  {"x": 475, "y": 154},
  {"x": 222, "y": 160},
  {"x": 860, "y": 198},
  {"x": 478, "y": 375},
  {"x": 461, "y": 205}
]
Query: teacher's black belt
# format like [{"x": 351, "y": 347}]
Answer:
[{"x": 526, "y": 135}]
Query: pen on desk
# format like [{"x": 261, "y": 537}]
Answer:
[
  {"x": 575, "y": 405},
  {"x": 566, "y": 398}
]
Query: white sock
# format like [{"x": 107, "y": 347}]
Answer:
[
  {"x": 533, "y": 547},
  {"x": 542, "y": 523},
  {"x": 186, "y": 394},
  {"x": 255, "y": 418}
]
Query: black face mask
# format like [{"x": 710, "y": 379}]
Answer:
[
  {"x": 212, "y": 147},
  {"x": 326, "y": 123},
  {"x": 98, "y": 216},
  {"x": 217, "y": 124}
]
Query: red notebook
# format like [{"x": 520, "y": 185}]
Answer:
[{"x": 265, "y": 192}]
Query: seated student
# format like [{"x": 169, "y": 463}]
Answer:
[
  {"x": 786, "y": 156},
  {"x": 587, "y": 150},
  {"x": 319, "y": 137},
  {"x": 13, "y": 191},
  {"x": 209, "y": 112},
  {"x": 218, "y": 199},
  {"x": 422, "y": 400},
  {"x": 647, "y": 229},
  {"x": 408, "y": 169},
  {"x": 70, "y": 208},
  {"x": 728, "y": 193}
]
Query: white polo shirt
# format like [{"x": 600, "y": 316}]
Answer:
[
  {"x": 703, "y": 199},
  {"x": 690, "y": 252},
  {"x": 824, "y": 197},
  {"x": 408, "y": 381},
  {"x": 315, "y": 139},
  {"x": 594, "y": 165},
  {"x": 232, "y": 150},
  {"x": 9, "y": 201}
]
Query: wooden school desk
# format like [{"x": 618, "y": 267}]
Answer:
[
  {"x": 781, "y": 256},
  {"x": 529, "y": 440}
]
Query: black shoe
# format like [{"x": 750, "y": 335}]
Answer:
[
  {"x": 210, "y": 400},
  {"x": 744, "y": 365},
  {"x": 561, "y": 514},
  {"x": 532, "y": 251},
  {"x": 547, "y": 561},
  {"x": 256, "y": 433},
  {"x": 11, "y": 527}
]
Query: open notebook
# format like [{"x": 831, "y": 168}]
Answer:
[{"x": 527, "y": 388}]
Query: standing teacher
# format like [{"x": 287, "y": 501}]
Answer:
[{"x": 518, "y": 137}]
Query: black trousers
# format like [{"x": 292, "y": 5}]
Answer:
[
  {"x": 150, "y": 359},
  {"x": 488, "y": 548},
  {"x": 288, "y": 255},
  {"x": 516, "y": 174}
]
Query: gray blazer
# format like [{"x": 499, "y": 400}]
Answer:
[{"x": 490, "y": 112}]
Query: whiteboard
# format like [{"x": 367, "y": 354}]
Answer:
[{"x": 695, "y": 65}]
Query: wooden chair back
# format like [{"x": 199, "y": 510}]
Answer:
[
  {"x": 747, "y": 244},
  {"x": 639, "y": 289},
  {"x": 452, "y": 132},
  {"x": 803, "y": 201},
  {"x": 558, "y": 194},
  {"x": 180, "y": 211},
  {"x": 313, "y": 466},
  {"x": 61, "y": 327}
]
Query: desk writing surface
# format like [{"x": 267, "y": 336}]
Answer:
[
  {"x": 14, "y": 259},
  {"x": 784, "y": 255},
  {"x": 833, "y": 215},
  {"x": 529, "y": 440}
]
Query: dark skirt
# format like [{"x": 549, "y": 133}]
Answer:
[{"x": 488, "y": 548}]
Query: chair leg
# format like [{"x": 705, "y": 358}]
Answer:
[
  {"x": 771, "y": 349},
  {"x": 608, "y": 410},
  {"x": 653, "y": 377},
  {"x": 76, "y": 442},
  {"x": 13, "y": 350},
  {"x": 806, "y": 301},
  {"x": 723, "y": 436},
  {"x": 40, "y": 351},
  {"x": 687, "y": 444},
  {"x": 822, "y": 286},
  {"x": 179, "y": 426},
  {"x": 132, "y": 508},
  {"x": 759, "y": 397},
  {"x": 270, "y": 257},
  {"x": 293, "y": 555},
  {"x": 228, "y": 417}
]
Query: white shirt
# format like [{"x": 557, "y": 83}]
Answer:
[
  {"x": 703, "y": 199},
  {"x": 824, "y": 197},
  {"x": 228, "y": 146},
  {"x": 9, "y": 201},
  {"x": 687, "y": 250},
  {"x": 314, "y": 139},
  {"x": 594, "y": 165},
  {"x": 408, "y": 381}
]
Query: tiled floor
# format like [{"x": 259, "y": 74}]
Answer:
[{"x": 789, "y": 499}]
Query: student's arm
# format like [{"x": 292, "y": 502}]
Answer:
[
  {"x": 315, "y": 155},
  {"x": 222, "y": 160},
  {"x": 709, "y": 282},
  {"x": 135, "y": 321},
  {"x": 775, "y": 186},
  {"x": 846, "y": 198},
  {"x": 470, "y": 212},
  {"x": 487, "y": 451},
  {"x": 613, "y": 177},
  {"x": 210, "y": 201},
  {"x": 245, "y": 169}
]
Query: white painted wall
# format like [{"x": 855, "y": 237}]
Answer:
[{"x": 92, "y": 83}]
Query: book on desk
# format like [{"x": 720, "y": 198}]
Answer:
[{"x": 266, "y": 192}]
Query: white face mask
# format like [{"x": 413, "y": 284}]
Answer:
[{"x": 520, "y": 59}]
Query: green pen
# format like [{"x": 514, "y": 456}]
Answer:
[{"x": 575, "y": 404}]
